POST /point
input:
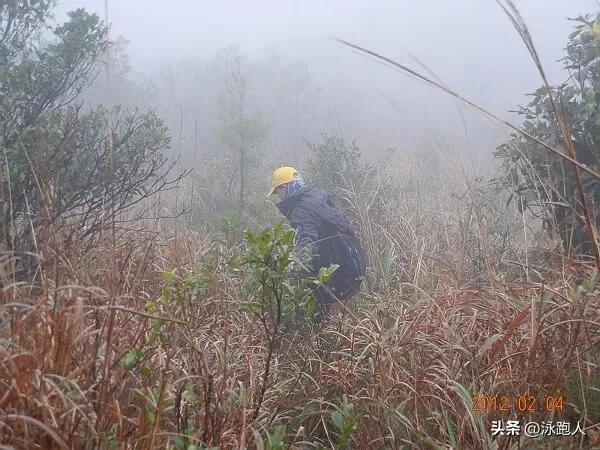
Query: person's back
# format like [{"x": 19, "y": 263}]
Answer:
[{"x": 325, "y": 232}]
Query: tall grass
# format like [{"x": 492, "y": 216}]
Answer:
[
  {"x": 399, "y": 372},
  {"x": 140, "y": 342}
]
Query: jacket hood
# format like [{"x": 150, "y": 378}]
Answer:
[
  {"x": 306, "y": 193},
  {"x": 318, "y": 201}
]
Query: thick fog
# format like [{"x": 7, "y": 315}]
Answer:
[{"x": 301, "y": 82}]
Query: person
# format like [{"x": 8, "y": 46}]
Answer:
[{"x": 323, "y": 232}]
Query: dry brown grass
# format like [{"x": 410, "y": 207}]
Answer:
[{"x": 409, "y": 361}]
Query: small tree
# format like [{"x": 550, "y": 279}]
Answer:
[
  {"x": 276, "y": 293},
  {"x": 241, "y": 133},
  {"x": 332, "y": 164},
  {"x": 55, "y": 158}
]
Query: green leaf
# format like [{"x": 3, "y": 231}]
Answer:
[
  {"x": 311, "y": 306},
  {"x": 596, "y": 30},
  {"x": 325, "y": 273},
  {"x": 170, "y": 276},
  {"x": 338, "y": 420},
  {"x": 189, "y": 396},
  {"x": 277, "y": 438},
  {"x": 145, "y": 371},
  {"x": 131, "y": 358},
  {"x": 250, "y": 307}
]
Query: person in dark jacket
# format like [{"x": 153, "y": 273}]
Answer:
[{"x": 323, "y": 232}]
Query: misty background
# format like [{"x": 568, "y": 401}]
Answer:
[{"x": 173, "y": 57}]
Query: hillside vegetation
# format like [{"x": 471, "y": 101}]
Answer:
[{"x": 145, "y": 305}]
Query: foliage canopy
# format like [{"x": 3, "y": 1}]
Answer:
[{"x": 539, "y": 181}]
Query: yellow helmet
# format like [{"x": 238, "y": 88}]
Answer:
[{"x": 283, "y": 175}]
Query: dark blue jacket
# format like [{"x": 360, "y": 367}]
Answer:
[{"x": 326, "y": 231}]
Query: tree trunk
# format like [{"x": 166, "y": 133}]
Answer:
[{"x": 242, "y": 178}]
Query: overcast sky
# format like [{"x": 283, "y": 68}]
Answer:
[
  {"x": 450, "y": 30},
  {"x": 466, "y": 42},
  {"x": 470, "y": 44}
]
